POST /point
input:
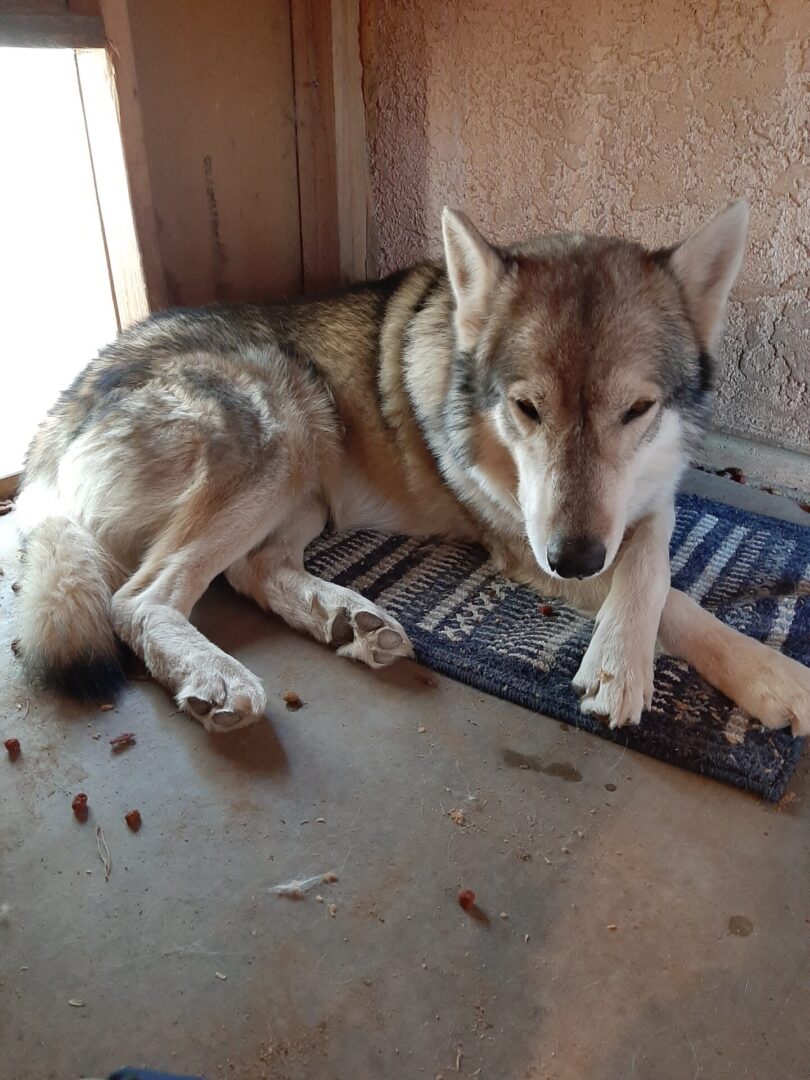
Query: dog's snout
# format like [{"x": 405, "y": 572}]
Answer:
[{"x": 576, "y": 556}]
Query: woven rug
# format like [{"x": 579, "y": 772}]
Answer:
[{"x": 467, "y": 621}]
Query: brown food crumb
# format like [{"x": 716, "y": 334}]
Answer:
[
  {"x": 330, "y": 878},
  {"x": 79, "y": 805},
  {"x": 332, "y": 909},
  {"x": 13, "y": 748},
  {"x": 546, "y": 609},
  {"x": 292, "y": 700},
  {"x": 466, "y": 899},
  {"x": 108, "y": 707},
  {"x": 133, "y": 819},
  {"x": 121, "y": 742},
  {"x": 733, "y": 473},
  {"x": 610, "y": 787},
  {"x": 15, "y": 646},
  {"x": 16, "y": 586},
  {"x": 457, "y": 817}
]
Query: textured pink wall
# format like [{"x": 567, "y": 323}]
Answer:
[{"x": 638, "y": 117}]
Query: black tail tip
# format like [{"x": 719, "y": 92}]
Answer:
[{"x": 98, "y": 678}]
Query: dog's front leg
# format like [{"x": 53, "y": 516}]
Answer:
[{"x": 615, "y": 677}]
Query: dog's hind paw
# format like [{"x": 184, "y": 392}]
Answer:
[
  {"x": 224, "y": 697},
  {"x": 370, "y": 635}
]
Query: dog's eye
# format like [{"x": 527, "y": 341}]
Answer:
[
  {"x": 528, "y": 409},
  {"x": 639, "y": 408}
]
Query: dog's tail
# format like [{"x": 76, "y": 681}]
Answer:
[{"x": 66, "y": 635}]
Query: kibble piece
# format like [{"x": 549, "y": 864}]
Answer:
[
  {"x": 80, "y": 809},
  {"x": 466, "y": 899},
  {"x": 133, "y": 819},
  {"x": 13, "y": 748},
  {"x": 292, "y": 700}
]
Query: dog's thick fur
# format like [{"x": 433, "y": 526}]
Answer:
[{"x": 542, "y": 399}]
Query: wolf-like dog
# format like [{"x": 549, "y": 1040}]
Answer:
[{"x": 543, "y": 399}]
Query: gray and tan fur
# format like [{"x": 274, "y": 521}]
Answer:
[{"x": 542, "y": 399}]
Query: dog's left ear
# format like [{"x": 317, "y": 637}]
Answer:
[
  {"x": 707, "y": 265},
  {"x": 474, "y": 268}
]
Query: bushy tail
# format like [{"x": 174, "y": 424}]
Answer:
[{"x": 66, "y": 635}]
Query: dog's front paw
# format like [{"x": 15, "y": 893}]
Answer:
[{"x": 615, "y": 678}]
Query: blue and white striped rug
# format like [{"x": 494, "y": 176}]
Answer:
[{"x": 467, "y": 621}]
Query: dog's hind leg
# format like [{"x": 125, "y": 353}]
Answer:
[
  {"x": 150, "y": 611},
  {"x": 768, "y": 685},
  {"x": 274, "y": 576}
]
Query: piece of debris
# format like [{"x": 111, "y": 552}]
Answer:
[
  {"x": 733, "y": 473},
  {"x": 299, "y": 887},
  {"x": 80, "y": 809},
  {"x": 457, "y": 817},
  {"x": 221, "y": 975},
  {"x": 76, "y": 1003},
  {"x": 133, "y": 819},
  {"x": 15, "y": 646},
  {"x": 103, "y": 852},
  {"x": 320, "y": 820},
  {"x": 15, "y": 586},
  {"x": 466, "y": 899},
  {"x": 332, "y": 909},
  {"x": 106, "y": 707},
  {"x": 421, "y": 730},
  {"x": 610, "y": 787},
  {"x": 13, "y": 748},
  {"x": 319, "y": 898},
  {"x": 523, "y": 856},
  {"x": 292, "y": 700},
  {"x": 525, "y": 939},
  {"x": 121, "y": 742},
  {"x": 546, "y": 610},
  {"x": 612, "y": 926},
  {"x": 503, "y": 914}
]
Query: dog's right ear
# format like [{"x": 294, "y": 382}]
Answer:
[
  {"x": 474, "y": 268},
  {"x": 706, "y": 265}
]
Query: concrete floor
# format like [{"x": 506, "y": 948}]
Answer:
[{"x": 655, "y": 926}]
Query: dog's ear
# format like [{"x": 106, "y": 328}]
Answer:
[
  {"x": 474, "y": 268},
  {"x": 707, "y": 265}
]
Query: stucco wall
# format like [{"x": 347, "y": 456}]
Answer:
[{"x": 638, "y": 117}]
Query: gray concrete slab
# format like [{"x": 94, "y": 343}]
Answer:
[{"x": 639, "y": 923}]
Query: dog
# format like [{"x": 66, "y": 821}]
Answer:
[{"x": 542, "y": 399}]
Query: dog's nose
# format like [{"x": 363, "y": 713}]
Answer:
[{"x": 575, "y": 556}]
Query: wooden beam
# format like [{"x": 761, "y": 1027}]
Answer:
[
  {"x": 52, "y": 31},
  {"x": 130, "y": 119},
  {"x": 124, "y": 260},
  {"x": 353, "y": 190},
  {"x": 315, "y": 135}
]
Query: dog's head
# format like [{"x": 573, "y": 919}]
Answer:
[{"x": 589, "y": 360}]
